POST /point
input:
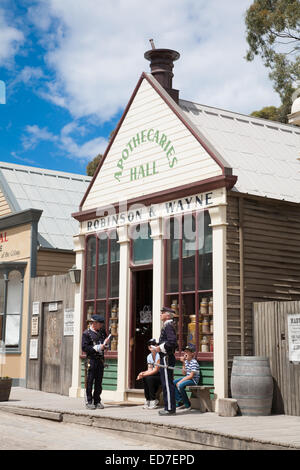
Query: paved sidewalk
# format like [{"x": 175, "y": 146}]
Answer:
[{"x": 208, "y": 429}]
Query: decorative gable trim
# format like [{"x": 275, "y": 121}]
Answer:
[{"x": 226, "y": 170}]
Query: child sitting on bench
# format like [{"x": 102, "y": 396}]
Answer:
[{"x": 191, "y": 371}]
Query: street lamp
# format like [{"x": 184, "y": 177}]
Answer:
[{"x": 75, "y": 275}]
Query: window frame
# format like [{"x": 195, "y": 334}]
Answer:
[
  {"x": 180, "y": 293},
  {"x": 139, "y": 266},
  {"x": 95, "y": 300},
  {"x": 6, "y": 269}
]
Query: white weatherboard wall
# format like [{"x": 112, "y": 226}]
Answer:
[{"x": 149, "y": 111}]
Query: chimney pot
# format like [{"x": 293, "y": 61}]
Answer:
[{"x": 161, "y": 65}]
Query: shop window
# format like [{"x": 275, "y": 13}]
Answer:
[
  {"x": 11, "y": 294},
  {"x": 102, "y": 281},
  {"x": 141, "y": 244},
  {"x": 188, "y": 278}
]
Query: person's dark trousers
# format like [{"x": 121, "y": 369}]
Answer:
[
  {"x": 95, "y": 375},
  {"x": 167, "y": 381},
  {"x": 151, "y": 385}
]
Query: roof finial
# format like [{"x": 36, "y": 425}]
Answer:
[{"x": 152, "y": 43}]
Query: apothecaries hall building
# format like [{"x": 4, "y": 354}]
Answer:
[{"x": 192, "y": 207}]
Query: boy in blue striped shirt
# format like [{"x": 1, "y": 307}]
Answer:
[{"x": 191, "y": 371}]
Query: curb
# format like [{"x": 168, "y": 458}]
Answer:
[{"x": 207, "y": 439}]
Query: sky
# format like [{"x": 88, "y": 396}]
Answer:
[{"x": 69, "y": 69}]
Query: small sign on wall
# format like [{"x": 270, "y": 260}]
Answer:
[
  {"x": 35, "y": 308},
  {"x": 294, "y": 337},
  {"x": 53, "y": 307},
  {"x": 33, "y": 349},
  {"x": 68, "y": 322},
  {"x": 34, "y": 326}
]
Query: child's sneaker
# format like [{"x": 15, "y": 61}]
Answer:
[
  {"x": 188, "y": 408},
  {"x": 179, "y": 404},
  {"x": 153, "y": 404},
  {"x": 181, "y": 407}
]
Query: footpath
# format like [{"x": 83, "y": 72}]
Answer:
[{"x": 275, "y": 432}]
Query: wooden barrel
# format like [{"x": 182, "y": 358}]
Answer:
[{"x": 252, "y": 385}]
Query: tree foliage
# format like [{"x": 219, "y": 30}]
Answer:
[
  {"x": 273, "y": 33},
  {"x": 92, "y": 166},
  {"x": 269, "y": 112}
]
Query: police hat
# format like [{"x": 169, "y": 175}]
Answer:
[
  {"x": 97, "y": 318},
  {"x": 190, "y": 348},
  {"x": 168, "y": 310},
  {"x": 152, "y": 342}
]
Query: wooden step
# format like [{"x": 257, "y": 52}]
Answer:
[{"x": 135, "y": 395}]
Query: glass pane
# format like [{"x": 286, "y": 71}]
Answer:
[
  {"x": 101, "y": 309},
  {"x": 172, "y": 247},
  {"x": 114, "y": 267},
  {"x": 102, "y": 266},
  {"x": 205, "y": 252},
  {"x": 205, "y": 272},
  {"x": 14, "y": 293},
  {"x": 188, "y": 253},
  {"x": 188, "y": 320},
  {"x": 12, "y": 330},
  {"x": 142, "y": 244},
  {"x": 89, "y": 310},
  {"x": 90, "y": 267},
  {"x": 2, "y": 294},
  {"x": 113, "y": 324}
]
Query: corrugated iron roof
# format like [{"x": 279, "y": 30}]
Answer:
[
  {"x": 57, "y": 193},
  {"x": 262, "y": 154}
]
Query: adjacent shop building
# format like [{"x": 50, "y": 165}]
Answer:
[{"x": 36, "y": 239}]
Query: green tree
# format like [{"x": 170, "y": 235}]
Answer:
[
  {"x": 92, "y": 166},
  {"x": 269, "y": 112},
  {"x": 273, "y": 33}
]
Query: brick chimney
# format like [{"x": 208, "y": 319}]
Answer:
[{"x": 161, "y": 65}]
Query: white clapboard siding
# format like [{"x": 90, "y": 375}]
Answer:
[{"x": 149, "y": 111}]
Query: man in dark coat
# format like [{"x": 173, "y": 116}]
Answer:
[
  {"x": 94, "y": 342},
  {"x": 167, "y": 346}
]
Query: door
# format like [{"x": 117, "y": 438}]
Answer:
[
  {"x": 56, "y": 363},
  {"x": 141, "y": 323}
]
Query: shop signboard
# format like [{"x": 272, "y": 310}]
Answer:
[{"x": 140, "y": 214}]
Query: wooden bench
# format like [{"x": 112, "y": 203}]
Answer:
[{"x": 200, "y": 397}]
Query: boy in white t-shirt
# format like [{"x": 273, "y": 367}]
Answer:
[{"x": 191, "y": 371}]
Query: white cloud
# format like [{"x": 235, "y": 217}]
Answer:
[
  {"x": 85, "y": 151},
  {"x": 65, "y": 141},
  {"x": 10, "y": 39},
  {"x": 96, "y": 50},
  {"x": 34, "y": 135}
]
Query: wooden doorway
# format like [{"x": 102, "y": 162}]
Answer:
[
  {"x": 141, "y": 323},
  {"x": 56, "y": 367}
]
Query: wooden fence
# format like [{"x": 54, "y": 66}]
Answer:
[{"x": 271, "y": 339}]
